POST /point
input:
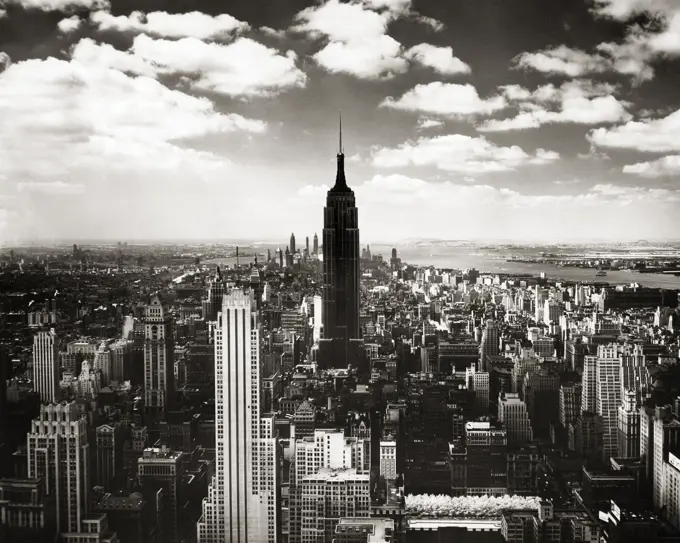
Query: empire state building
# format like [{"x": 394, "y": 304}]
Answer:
[{"x": 340, "y": 271}]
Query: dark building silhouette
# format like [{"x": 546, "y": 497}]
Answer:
[
  {"x": 292, "y": 243},
  {"x": 316, "y": 244},
  {"x": 340, "y": 270}
]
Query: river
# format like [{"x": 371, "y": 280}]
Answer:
[{"x": 467, "y": 257}]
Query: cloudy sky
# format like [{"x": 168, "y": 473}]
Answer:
[{"x": 523, "y": 119}]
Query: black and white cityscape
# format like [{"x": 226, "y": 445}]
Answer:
[{"x": 339, "y": 271}]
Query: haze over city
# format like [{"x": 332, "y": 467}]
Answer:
[{"x": 520, "y": 120}]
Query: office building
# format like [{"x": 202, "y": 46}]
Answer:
[
  {"x": 490, "y": 344},
  {"x": 589, "y": 385},
  {"x": 570, "y": 404},
  {"x": 46, "y": 365},
  {"x": 160, "y": 472},
  {"x": 293, "y": 250},
  {"x": 388, "y": 457},
  {"x": 329, "y": 495},
  {"x": 109, "y": 453},
  {"x": 364, "y": 530},
  {"x": 316, "y": 244},
  {"x": 513, "y": 413},
  {"x": 27, "y": 512},
  {"x": 608, "y": 399},
  {"x": 243, "y": 495},
  {"x": 340, "y": 269},
  {"x": 325, "y": 449},
  {"x": 629, "y": 426},
  {"x": 159, "y": 352},
  {"x": 58, "y": 453}
]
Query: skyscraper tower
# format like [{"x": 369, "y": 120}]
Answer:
[
  {"x": 46, "y": 365},
  {"x": 292, "y": 244},
  {"x": 307, "y": 245},
  {"x": 341, "y": 266},
  {"x": 58, "y": 453},
  {"x": 159, "y": 352},
  {"x": 242, "y": 498},
  {"x": 316, "y": 244}
]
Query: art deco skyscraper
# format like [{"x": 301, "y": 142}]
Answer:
[
  {"x": 341, "y": 266},
  {"x": 292, "y": 244},
  {"x": 315, "y": 248},
  {"x": 58, "y": 453},
  {"x": 242, "y": 498},
  {"x": 46, "y": 366},
  {"x": 159, "y": 352}
]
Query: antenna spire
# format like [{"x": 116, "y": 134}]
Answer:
[{"x": 340, "y": 149}]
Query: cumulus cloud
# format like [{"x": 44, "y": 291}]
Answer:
[
  {"x": 55, "y": 111},
  {"x": 626, "y": 58},
  {"x": 90, "y": 53},
  {"x": 441, "y": 59},
  {"x": 474, "y": 210},
  {"x": 60, "y": 5},
  {"x": 70, "y": 24},
  {"x": 370, "y": 58},
  {"x": 447, "y": 99},
  {"x": 662, "y": 167},
  {"x": 171, "y": 25},
  {"x": 356, "y": 37},
  {"x": 241, "y": 68},
  {"x": 460, "y": 153},
  {"x": 649, "y": 135},
  {"x": 581, "y": 102}
]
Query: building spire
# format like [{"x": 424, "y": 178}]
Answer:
[{"x": 340, "y": 182}]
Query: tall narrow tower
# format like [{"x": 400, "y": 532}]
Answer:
[
  {"x": 159, "y": 352},
  {"x": 341, "y": 265},
  {"x": 316, "y": 244},
  {"x": 46, "y": 366},
  {"x": 292, "y": 243},
  {"x": 242, "y": 498}
]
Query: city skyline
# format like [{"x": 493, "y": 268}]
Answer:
[{"x": 461, "y": 121}]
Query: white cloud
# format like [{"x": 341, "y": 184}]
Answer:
[
  {"x": 463, "y": 210},
  {"x": 370, "y": 58},
  {"x": 440, "y": 59},
  {"x": 623, "y": 10},
  {"x": 563, "y": 60},
  {"x": 662, "y": 167},
  {"x": 425, "y": 123},
  {"x": 5, "y": 61},
  {"x": 394, "y": 7},
  {"x": 627, "y": 58},
  {"x": 90, "y": 53},
  {"x": 459, "y": 153},
  {"x": 55, "y": 111},
  {"x": 447, "y": 99},
  {"x": 434, "y": 24},
  {"x": 171, "y": 25},
  {"x": 242, "y": 68},
  {"x": 70, "y": 24},
  {"x": 650, "y": 135},
  {"x": 579, "y": 102},
  {"x": 341, "y": 22},
  {"x": 60, "y": 5},
  {"x": 3, "y": 13}
]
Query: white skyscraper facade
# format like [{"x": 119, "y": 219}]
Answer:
[
  {"x": 58, "y": 453},
  {"x": 242, "y": 500},
  {"x": 46, "y": 366}
]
